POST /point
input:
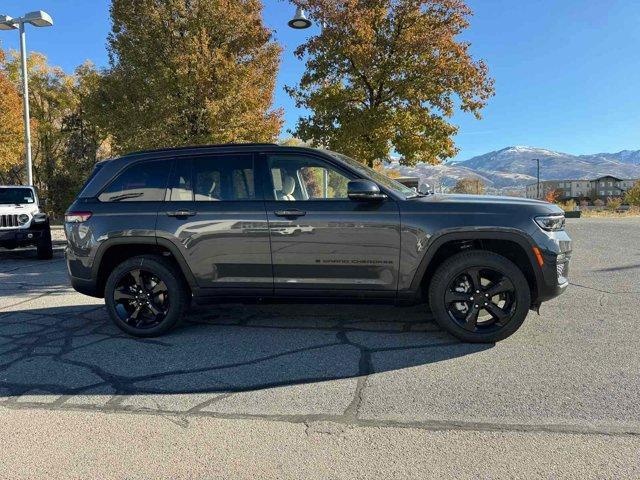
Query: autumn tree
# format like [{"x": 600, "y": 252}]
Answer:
[
  {"x": 11, "y": 125},
  {"x": 388, "y": 74},
  {"x": 66, "y": 144},
  {"x": 473, "y": 186},
  {"x": 552, "y": 196},
  {"x": 188, "y": 72},
  {"x": 632, "y": 196}
]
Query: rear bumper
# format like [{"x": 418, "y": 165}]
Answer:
[{"x": 84, "y": 286}]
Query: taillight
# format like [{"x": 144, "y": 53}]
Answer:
[{"x": 77, "y": 217}]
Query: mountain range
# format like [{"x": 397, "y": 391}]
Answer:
[{"x": 515, "y": 167}]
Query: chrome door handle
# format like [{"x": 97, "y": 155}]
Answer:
[
  {"x": 181, "y": 214},
  {"x": 289, "y": 213}
]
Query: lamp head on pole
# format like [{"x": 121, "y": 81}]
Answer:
[
  {"x": 7, "y": 23},
  {"x": 38, "y": 19},
  {"x": 300, "y": 20}
]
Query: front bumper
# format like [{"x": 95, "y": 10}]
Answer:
[
  {"x": 555, "y": 276},
  {"x": 19, "y": 237}
]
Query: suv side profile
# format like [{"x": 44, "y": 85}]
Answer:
[{"x": 152, "y": 231}]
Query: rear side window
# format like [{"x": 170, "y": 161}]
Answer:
[
  {"x": 213, "y": 179},
  {"x": 142, "y": 182}
]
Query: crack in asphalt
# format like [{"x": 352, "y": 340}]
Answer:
[
  {"x": 608, "y": 292},
  {"x": 311, "y": 419}
]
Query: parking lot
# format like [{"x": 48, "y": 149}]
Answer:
[{"x": 380, "y": 391}]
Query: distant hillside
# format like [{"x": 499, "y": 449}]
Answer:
[{"x": 514, "y": 167}]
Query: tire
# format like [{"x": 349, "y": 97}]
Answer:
[
  {"x": 454, "y": 297},
  {"x": 45, "y": 245},
  {"x": 156, "y": 274}
]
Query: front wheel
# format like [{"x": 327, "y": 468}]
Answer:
[
  {"x": 146, "y": 296},
  {"x": 45, "y": 245},
  {"x": 479, "y": 297}
]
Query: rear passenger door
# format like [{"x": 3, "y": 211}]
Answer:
[{"x": 214, "y": 214}]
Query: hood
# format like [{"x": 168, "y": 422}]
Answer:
[
  {"x": 29, "y": 208},
  {"x": 490, "y": 200}
]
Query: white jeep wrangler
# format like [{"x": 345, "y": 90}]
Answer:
[{"x": 22, "y": 223}]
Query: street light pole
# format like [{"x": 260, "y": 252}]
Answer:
[
  {"x": 25, "y": 104},
  {"x": 37, "y": 19},
  {"x": 538, "y": 160}
]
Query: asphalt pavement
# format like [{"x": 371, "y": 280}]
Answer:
[{"x": 324, "y": 391}]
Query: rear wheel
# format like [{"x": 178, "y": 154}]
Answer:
[
  {"x": 146, "y": 296},
  {"x": 479, "y": 297},
  {"x": 45, "y": 245}
]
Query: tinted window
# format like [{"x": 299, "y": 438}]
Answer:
[
  {"x": 299, "y": 178},
  {"x": 143, "y": 182},
  {"x": 16, "y": 196},
  {"x": 180, "y": 187},
  {"x": 224, "y": 177}
]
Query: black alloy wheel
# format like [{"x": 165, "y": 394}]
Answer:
[
  {"x": 146, "y": 296},
  {"x": 479, "y": 296},
  {"x": 480, "y": 299},
  {"x": 142, "y": 299}
]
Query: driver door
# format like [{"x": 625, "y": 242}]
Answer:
[{"x": 323, "y": 243}]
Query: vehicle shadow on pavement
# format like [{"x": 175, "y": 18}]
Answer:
[{"x": 77, "y": 351}]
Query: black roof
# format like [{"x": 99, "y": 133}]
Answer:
[{"x": 198, "y": 147}]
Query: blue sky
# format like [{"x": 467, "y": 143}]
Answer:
[{"x": 567, "y": 71}]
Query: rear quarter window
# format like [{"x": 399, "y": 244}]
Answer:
[{"x": 142, "y": 182}]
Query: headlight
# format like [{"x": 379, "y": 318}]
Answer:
[
  {"x": 23, "y": 218},
  {"x": 551, "y": 223}
]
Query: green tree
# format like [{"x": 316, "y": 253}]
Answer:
[
  {"x": 632, "y": 196},
  {"x": 188, "y": 72},
  {"x": 387, "y": 74},
  {"x": 472, "y": 186}
]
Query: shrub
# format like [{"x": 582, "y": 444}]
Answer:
[
  {"x": 632, "y": 197},
  {"x": 568, "y": 206},
  {"x": 598, "y": 203},
  {"x": 613, "y": 203}
]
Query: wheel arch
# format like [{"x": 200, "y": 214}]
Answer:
[
  {"x": 513, "y": 244},
  {"x": 116, "y": 250}
]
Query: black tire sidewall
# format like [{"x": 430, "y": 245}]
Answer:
[
  {"x": 445, "y": 275},
  {"x": 45, "y": 245},
  {"x": 178, "y": 298}
]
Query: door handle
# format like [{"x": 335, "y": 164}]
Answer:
[
  {"x": 181, "y": 214},
  {"x": 289, "y": 213}
]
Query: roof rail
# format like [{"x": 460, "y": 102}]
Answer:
[{"x": 193, "y": 147}]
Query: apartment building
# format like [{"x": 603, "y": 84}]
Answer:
[{"x": 598, "y": 188}]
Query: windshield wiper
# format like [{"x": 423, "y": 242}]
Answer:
[{"x": 125, "y": 196}]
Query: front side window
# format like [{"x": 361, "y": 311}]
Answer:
[
  {"x": 213, "y": 179},
  {"x": 142, "y": 182},
  {"x": 377, "y": 177},
  {"x": 301, "y": 178}
]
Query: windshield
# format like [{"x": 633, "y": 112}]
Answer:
[
  {"x": 16, "y": 196},
  {"x": 377, "y": 177}
]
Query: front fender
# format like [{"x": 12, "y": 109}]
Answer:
[{"x": 477, "y": 233}]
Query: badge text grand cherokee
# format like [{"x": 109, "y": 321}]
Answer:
[{"x": 153, "y": 230}]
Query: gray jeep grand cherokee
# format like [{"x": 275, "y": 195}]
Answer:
[{"x": 152, "y": 231}]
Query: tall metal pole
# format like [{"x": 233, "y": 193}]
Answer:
[
  {"x": 538, "y": 160},
  {"x": 25, "y": 103}
]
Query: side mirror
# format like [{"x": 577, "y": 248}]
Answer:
[{"x": 364, "y": 190}]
